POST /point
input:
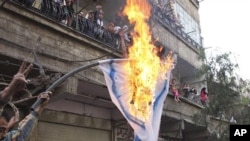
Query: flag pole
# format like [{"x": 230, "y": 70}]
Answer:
[{"x": 60, "y": 80}]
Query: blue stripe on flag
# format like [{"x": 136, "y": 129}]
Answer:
[
  {"x": 161, "y": 94},
  {"x": 137, "y": 138},
  {"x": 115, "y": 78}
]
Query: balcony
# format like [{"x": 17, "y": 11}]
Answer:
[
  {"x": 82, "y": 26},
  {"x": 56, "y": 13},
  {"x": 167, "y": 23}
]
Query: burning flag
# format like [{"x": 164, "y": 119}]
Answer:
[
  {"x": 139, "y": 85},
  {"x": 144, "y": 118}
]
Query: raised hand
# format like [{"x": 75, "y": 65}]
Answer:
[
  {"x": 45, "y": 96},
  {"x": 12, "y": 122},
  {"x": 18, "y": 81}
]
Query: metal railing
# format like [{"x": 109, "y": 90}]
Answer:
[
  {"x": 168, "y": 23},
  {"x": 60, "y": 14},
  {"x": 63, "y": 15}
]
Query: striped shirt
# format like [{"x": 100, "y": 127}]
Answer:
[{"x": 24, "y": 129}]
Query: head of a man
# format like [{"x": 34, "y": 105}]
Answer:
[{"x": 4, "y": 120}]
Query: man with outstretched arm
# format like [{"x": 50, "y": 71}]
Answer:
[{"x": 25, "y": 126}]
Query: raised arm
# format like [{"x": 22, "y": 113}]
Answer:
[
  {"x": 17, "y": 83},
  {"x": 123, "y": 45},
  {"x": 29, "y": 122}
]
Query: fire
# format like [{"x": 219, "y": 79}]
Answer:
[{"x": 146, "y": 67}]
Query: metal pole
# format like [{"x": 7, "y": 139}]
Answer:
[
  {"x": 59, "y": 81},
  {"x": 77, "y": 21}
]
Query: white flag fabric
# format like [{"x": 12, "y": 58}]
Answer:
[{"x": 117, "y": 83}]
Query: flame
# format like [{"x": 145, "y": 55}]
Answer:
[{"x": 146, "y": 67}]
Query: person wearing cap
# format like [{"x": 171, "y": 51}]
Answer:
[{"x": 25, "y": 127}]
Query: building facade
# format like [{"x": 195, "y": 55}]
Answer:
[{"x": 81, "y": 109}]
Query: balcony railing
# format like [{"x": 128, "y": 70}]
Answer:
[
  {"x": 58, "y": 13},
  {"x": 167, "y": 22}
]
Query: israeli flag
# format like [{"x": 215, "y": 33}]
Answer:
[{"x": 117, "y": 83}]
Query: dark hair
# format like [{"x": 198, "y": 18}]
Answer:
[
  {"x": 203, "y": 89},
  {"x": 5, "y": 115}
]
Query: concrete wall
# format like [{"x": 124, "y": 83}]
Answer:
[
  {"x": 181, "y": 110},
  {"x": 191, "y": 7},
  {"x": 63, "y": 126}
]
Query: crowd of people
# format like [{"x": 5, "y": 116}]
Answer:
[
  {"x": 114, "y": 33},
  {"x": 185, "y": 91},
  {"x": 91, "y": 22}
]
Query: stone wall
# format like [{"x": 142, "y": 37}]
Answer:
[
  {"x": 57, "y": 46},
  {"x": 74, "y": 127}
]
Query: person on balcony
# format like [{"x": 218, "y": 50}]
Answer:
[
  {"x": 99, "y": 20},
  {"x": 203, "y": 96},
  {"x": 68, "y": 12},
  {"x": 123, "y": 44},
  {"x": 159, "y": 8},
  {"x": 118, "y": 17},
  {"x": 97, "y": 12},
  {"x": 193, "y": 93},
  {"x": 99, "y": 29},
  {"x": 116, "y": 30},
  {"x": 174, "y": 90},
  {"x": 186, "y": 89},
  {"x": 90, "y": 25},
  {"x": 90, "y": 15}
]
